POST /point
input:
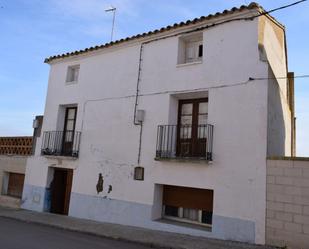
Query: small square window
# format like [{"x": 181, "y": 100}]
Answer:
[
  {"x": 72, "y": 74},
  {"x": 193, "y": 51},
  {"x": 190, "y": 48}
]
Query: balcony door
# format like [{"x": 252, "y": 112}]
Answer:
[
  {"x": 192, "y": 129},
  {"x": 69, "y": 130}
]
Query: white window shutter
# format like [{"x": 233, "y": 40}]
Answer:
[
  {"x": 190, "y": 52},
  {"x": 76, "y": 71}
]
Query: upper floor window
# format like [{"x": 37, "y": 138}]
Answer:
[
  {"x": 190, "y": 48},
  {"x": 72, "y": 74}
]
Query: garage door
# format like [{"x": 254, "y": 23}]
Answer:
[
  {"x": 16, "y": 184},
  {"x": 188, "y": 197}
]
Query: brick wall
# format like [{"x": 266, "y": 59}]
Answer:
[{"x": 287, "y": 211}]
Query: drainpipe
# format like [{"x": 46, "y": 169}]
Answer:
[{"x": 138, "y": 116}]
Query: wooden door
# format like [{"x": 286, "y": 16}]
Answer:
[
  {"x": 69, "y": 130},
  {"x": 67, "y": 197},
  {"x": 192, "y": 129},
  {"x": 61, "y": 191}
]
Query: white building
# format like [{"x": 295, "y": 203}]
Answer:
[{"x": 108, "y": 154}]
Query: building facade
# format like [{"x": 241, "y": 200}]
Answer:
[{"x": 168, "y": 130}]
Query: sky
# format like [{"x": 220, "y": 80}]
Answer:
[{"x": 32, "y": 30}]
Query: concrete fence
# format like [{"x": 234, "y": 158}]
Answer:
[
  {"x": 16, "y": 146},
  {"x": 287, "y": 212}
]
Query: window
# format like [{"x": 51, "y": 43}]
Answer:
[
  {"x": 69, "y": 130},
  {"x": 188, "y": 205},
  {"x": 188, "y": 215},
  {"x": 194, "y": 51},
  {"x": 72, "y": 74},
  {"x": 190, "y": 48},
  {"x": 192, "y": 128}
]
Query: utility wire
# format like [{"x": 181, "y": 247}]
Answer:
[
  {"x": 272, "y": 10},
  {"x": 284, "y": 7},
  {"x": 197, "y": 89},
  {"x": 205, "y": 27},
  {"x": 280, "y": 78},
  {"x": 251, "y": 79}
]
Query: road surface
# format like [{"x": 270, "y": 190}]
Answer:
[{"x": 19, "y": 235}]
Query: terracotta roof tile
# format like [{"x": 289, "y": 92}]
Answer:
[{"x": 252, "y": 5}]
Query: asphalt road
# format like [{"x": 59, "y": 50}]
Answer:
[{"x": 19, "y": 235}]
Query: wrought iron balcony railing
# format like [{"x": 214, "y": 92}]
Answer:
[
  {"x": 185, "y": 141},
  {"x": 61, "y": 143}
]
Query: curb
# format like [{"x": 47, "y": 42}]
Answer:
[
  {"x": 145, "y": 237},
  {"x": 66, "y": 228}
]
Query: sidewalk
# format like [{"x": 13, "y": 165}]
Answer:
[{"x": 151, "y": 238}]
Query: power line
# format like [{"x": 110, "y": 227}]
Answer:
[
  {"x": 262, "y": 14},
  {"x": 208, "y": 26},
  {"x": 285, "y": 6},
  {"x": 280, "y": 78},
  {"x": 200, "y": 89},
  {"x": 250, "y": 79},
  {"x": 270, "y": 11}
]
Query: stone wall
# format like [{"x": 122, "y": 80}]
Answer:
[{"x": 287, "y": 212}]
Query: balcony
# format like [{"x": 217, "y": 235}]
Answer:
[
  {"x": 59, "y": 143},
  {"x": 184, "y": 142}
]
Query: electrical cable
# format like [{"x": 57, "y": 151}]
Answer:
[
  {"x": 196, "y": 89},
  {"x": 284, "y": 7},
  {"x": 264, "y": 13},
  {"x": 280, "y": 78}
]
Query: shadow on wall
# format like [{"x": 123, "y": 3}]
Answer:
[{"x": 276, "y": 127}]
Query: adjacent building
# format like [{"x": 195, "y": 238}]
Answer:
[
  {"x": 14, "y": 152},
  {"x": 170, "y": 129}
]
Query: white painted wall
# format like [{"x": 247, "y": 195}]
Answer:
[{"x": 109, "y": 143}]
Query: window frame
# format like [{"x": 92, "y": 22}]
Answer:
[
  {"x": 194, "y": 136},
  {"x": 179, "y": 198},
  {"x": 196, "y": 41},
  {"x": 71, "y": 78},
  {"x": 196, "y": 47},
  {"x": 181, "y": 219}
]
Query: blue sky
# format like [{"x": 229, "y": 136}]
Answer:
[{"x": 34, "y": 29}]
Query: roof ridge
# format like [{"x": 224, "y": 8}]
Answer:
[{"x": 252, "y": 5}]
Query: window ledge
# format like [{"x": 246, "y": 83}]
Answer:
[
  {"x": 190, "y": 63},
  {"x": 60, "y": 157},
  {"x": 185, "y": 160},
  {"x": 206, "y": 228},
  {"x": 71, "y": 82}
]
